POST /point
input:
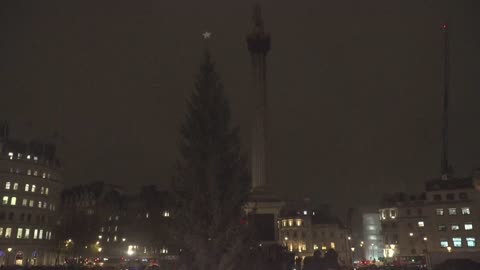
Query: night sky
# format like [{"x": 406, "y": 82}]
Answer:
[{"x": 355, "y": 87}]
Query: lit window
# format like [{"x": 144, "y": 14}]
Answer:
[
  {"x": 40, "y": 234},
  {"x": 108, "y": 239},
  {"x": 146, "y": 215},
  {"x": 470, "y": 242},
  {"x": 15, "y": 186},
  {"x": 27, "y": 234},
  {"x": 421, "y": 224},
  {"x": 5, "y": 200},
  {"x": 10, "y": 154},
  {"x": 35, "y": 173},
  {"x": 452, "y": 211},
  {"x": 116, "y": 228},
  {"x": 455, "y": 227},
  {"x": 1, "y": 231},
  {"x": 8, "y": 232},
  {"x": 299, "y": 222},
  {"x": 29, "y": 172},
  {"x": 468, "y": 226},
  {"x": 46, "y": 191},
  {"x": 45, "y": 205},
  {"x": 44, "y": 175},
  {"x": 465, "y": 211},
  {"x": 372, "y": 237},
  {"x": 167, "y": 214},
  {"x": 284, "y": 223},
  {"x": 290, "y": 222},
  {"x": 29, "y": 157},
  {"x": 102, "y": 229},
  {"x": 33, "y": 188},
  {"x": 42, "y": 190},
  {"x": 116, "y": 217},
  {"x": 19, "y": 156},
  {"x": 39, "y": 204},
  {"x": 7, "y": 185},
  {"x": 383, "y": 215},
  {"x": 35, "y": 158},
  {"x": 24, "y": 202},
  {"x": 35, "y": 234},
  {"x": 30, "y": 203},
  {"x": 457, "y": 242},
  {"x": 13, "y": 201},
  {"x": 332, "y": 245},
  {"x": 19, "y": 233},
  {"x": 315, "y": 246},
  {"x": 110, "y": 218},
  {"x": 444, "y": 243},
  {"x": 27, "y": 187},
  {"x": 115, "y": 238},
  {"x": 393, "y": 213},
  {"x": 305, "y": 212}
]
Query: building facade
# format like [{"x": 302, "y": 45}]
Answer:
[
  {"x": 304, "y": 230},
  {"x": 30, "y": 186},
  {"x": 435, "y": 225},
  {"x": 373, "y": 244}
]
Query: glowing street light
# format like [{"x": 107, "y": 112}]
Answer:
[
  {"x": 99, "y": 249},
  {"x": 286, "y": 238},
  {"x": 123, "y": 239},
  {"x": 425, "y": 238},
  {"x": 9, "y": 249},
  {"x": 449, "y": 249},
  {"x": 353, "y": 249},
  {"x": 349, "y": 238},
  {"x": 411, "y": 234}
]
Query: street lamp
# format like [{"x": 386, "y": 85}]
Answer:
[
  {"x": 8, "y": 254},
  {"x": 99, "y": 249},
  {"x": 449, "y": 249}
]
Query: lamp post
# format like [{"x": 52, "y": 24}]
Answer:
[{"x": 8, "y": 255}]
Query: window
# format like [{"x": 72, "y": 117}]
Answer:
[
  {"x": 46, "y": 191},
  {"x": 421, "y": 224},
  {"x": 24, "y": 202},
  {"x": 1, "y": 231},
  {"x": 408, "y": 212},
  {"x": 27, "y": 234},
  {"x": 19, "y": 233},
  {"x": 39, "y": 204},
  {"x": 167, "y": 214},
  {"x": 5, "y": 200},
  {"x": 102, "y": 229},
  {"x": 10, "y": 216},
  {"x": 116, "y": 217},
  {"x": 35, "y": 158},
  {"x": 35, "y": 173},
  {"x": 19, "y": 156},
  {"x": 437, "y": 197},
  {"x": 13, "y": 201},
  {"x": 299, "y": 222},
  {"x": 443, "y": 243},
  {"x": 115, "y": 238},
  {"x": 439, "y": 211},
  {"x": 452, "y": 211},
  {"x": 44, "y": 175},
  {"x": 29, "y": 217},
  {"x": 33, "y": 188},
  {"x": 30, "y": 203},
  {"x": 419, "y": 211},
  {"x": 7, "y": 185},
  {"x": 15, "y": 186},
  {"x": 393, "y": 213},
  {"x": 42, "y": 190},
  {"x": 8, "y": 232},
  {"x": 40, "y": 234},
  {"x": 116, "y": 228},
  {"x": 45, "y": 205},
  {"x": 27, "y": 187},
  {"x": 465, "y": 210},
  {"x": 468, "y": 226},
  {"x": 10, "y": 154},
  {"x": 35, "y": 234},
  {"x": 470, "y": 242},
  {"x": 463, "y": 196},
  {"x": 455, "y": 227},
  {"x": 332, "y": 245},
  {"x": 442, "y": 228},
  {"x": 457, "y": 242},
  {"x": 29, "y": 172},
  {"x": 450, "y": 196}
]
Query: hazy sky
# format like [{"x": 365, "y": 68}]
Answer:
[{"x": 355, "y": 87}]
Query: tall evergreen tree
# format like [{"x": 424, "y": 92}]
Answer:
[{"x": 211, "y": 183}]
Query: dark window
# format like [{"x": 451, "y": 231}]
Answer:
[
  {"x": 395, "y": 238},
  {"x": 22, "y": 217},
  {"x": 463, "y": 196},
  {"x": 43, "y": 219},
  {"x": 437, "y": 197},
  {"x": 2, "y": 215},
  {"x": 414, "y": 251},
  {"x": 314, "y": 234},
  {"x": 323, "y": 234},
  {"x": 409, "y": 225},
  {"x": 409, "y": 212},
  {"x": 29, "y": 217},
  {"x": 37, "y": 219},
  {"x": 10, "y": 216},
  {"x": 332, "y": 234},
  {"x": 450, "y": 196},
  {"x": 294, "y": 234},
  {"x": 419, "y": 211},
  {"x": 442, "y": 228},
  {"x": 394, "y": 225},
  {"x": 303, "y": 234}
]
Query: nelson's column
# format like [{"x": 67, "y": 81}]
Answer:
[{"x": 263, "y": 204}]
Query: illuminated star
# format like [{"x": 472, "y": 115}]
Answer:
[{"x": 206, "y": 35}]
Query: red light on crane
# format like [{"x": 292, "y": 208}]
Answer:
[{"x": 444, "y": 26}]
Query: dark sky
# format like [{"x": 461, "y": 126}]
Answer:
[{"x": 355, "y": 87}]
